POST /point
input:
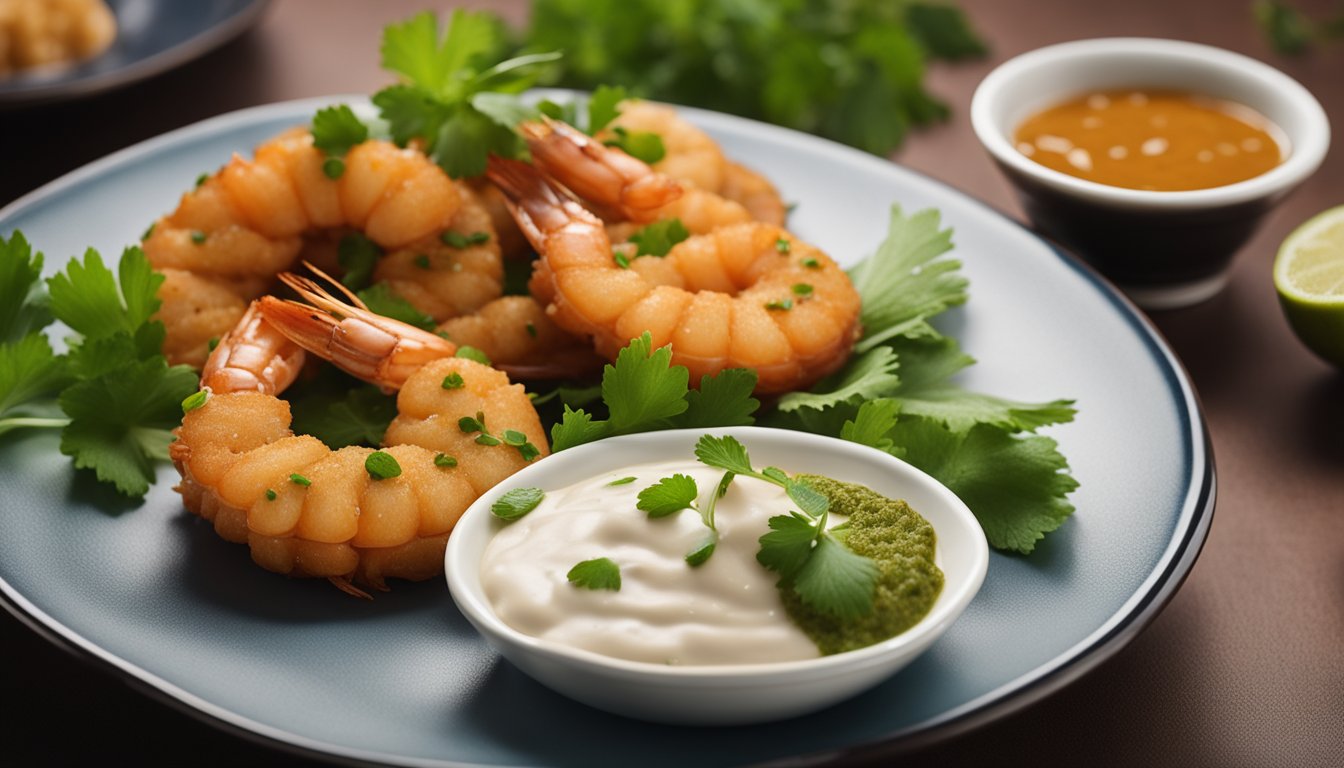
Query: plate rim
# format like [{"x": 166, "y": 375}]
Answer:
[
  {"x": 1154, "y": 593},
  {"x": 181, "y": 52}
]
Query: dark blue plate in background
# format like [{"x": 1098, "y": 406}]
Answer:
[{"x": 153, "y": 36}]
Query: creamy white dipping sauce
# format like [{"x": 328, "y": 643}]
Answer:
[{"x": 726, "y": 611}]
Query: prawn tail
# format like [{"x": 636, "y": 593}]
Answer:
[
  {"x": 538, "y": 204},
  {"x": 342, "y": 583},
  {"x": 606, "y": 178}
]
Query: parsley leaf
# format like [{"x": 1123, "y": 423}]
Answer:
[
  {"x": 668, "y": 495},
  {"x": 516, "y": 502},
  {"x": 357, "y": 255},
  {"x": 658, "y": 238},
  {"x": 641, "y": 145},
  {"x": 643, "y": 388},
  {"x": 23, "y": 303},
  {"x": 121, "y": 422},
  {"x": 604, "y": 106},
  {"x": 86, "y": 296},
  {"x": 354, "y": 417},
  {"x": 1014, "y": 484},
  {"x": 336, "y": 130},
  {"x": 836, "y": 580},
  {"x": 382, "y": 300},
  {"x": 905, "y": 281},
  {"x": 872, "y": 424},
  {"x": 866, "y": 376},
  {"x": 600, "y": 573},
  {"x": 722, "y": 401},
  {"x": 724, "y": 453},
  {"x": 788, "y": 545},
  {"x": 29, "y": 371}
]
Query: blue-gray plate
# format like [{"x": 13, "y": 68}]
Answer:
[
  {"x": 153, "y": 36},
  {"x": 404, "y": 679}
]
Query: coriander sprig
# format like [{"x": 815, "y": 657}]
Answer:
[
  {"x": 510, "y": 437},
  {"x": 809, "y": 558},
  {"x": 673, "y": 494}
]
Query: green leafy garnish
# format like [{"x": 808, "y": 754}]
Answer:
[
  {"x": 668, "y": 495},
  {"x": 510, "y": 437},
  {"x": 453, "y": 381},
  {"x": 811, "y": 560},
  {"x": 459, "y": 240},
  {"x": 195, "y": 400},
  {"x": 622, "y": 481},
  {"x": 517, "y": 502},
  {"x": 382, "y": 466},
  {"x": 641, "y": 145},
  {"x": 457, "y": 95},
  {"x": 357, "y": 255},
  {"x": 358, "y": 416},
  {"x": 382, "y": 300},
  {"x": 335, "y": 131},
  {"x": 658, "y": 238},
  {"x": 1291, "y": 32},
  {"x": 472, "y": 353},
  {"x": 850, "y": 71},
  {"x": 299, "y": 479},
  {"x": 445, "y": 461},
  {"x": 643, "y": 392},
  {"x": 600, "y": 573}
]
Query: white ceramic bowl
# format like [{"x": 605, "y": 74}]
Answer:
[
  {"x": 1164, "y": 248},
  {"x": 736, "y": 694}
]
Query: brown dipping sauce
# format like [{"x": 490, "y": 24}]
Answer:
[{"x": 1154, "y": 140}]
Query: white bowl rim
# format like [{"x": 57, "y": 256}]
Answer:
[
  {"x": 477, "y": 608},
  {"x": 1312, "y": 134}
]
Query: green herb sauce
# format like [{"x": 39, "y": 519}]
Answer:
[{"x": 901, "y": 543}]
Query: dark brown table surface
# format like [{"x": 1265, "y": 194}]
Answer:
[{"x": 1244, "y": 667}]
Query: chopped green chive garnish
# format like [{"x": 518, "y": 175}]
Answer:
[
  {"x": 622, "y": 481},
  {"x": 484, "y": 439},
  {"x": 621, "y": 260},
  {"x": 197, "y": 236},
  {"x": 149, "y": 231},
  {"x": 802, "y": 289},
  {"x": 531, "y": 330},
  {"x": 783, "y": 305},
  {"x": 459, "y": 240},
  {"x": 270, "y": 494},
  {"x": 298, "y": 479},
  {"x": 811, "y": 263},
  {"x": 444, "y": 460},
  {"x": 333, "y": 167},
  {"x": 422, "y": 261},
  {"x": 195, "y": 400},
  {"x": 782, "y": 245},
  {"x": 382, "y": 466},
  {"x": 212, "y": 343},
  {"x": 201, "y": 179},
  {"x": 453, "y": 381}
]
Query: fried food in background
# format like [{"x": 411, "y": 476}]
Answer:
[{"x": 36, "y": 33}]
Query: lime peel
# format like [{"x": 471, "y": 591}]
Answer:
[{"x": 1309, "y": 277}]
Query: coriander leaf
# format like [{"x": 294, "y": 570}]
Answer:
[
  {"x": 357, "y": 255},
  {"x": 413, "y": 49},
  {"x": 943, "y": 31},
  {"x": 23, "y": 302},
  {"x": 567, "y": 112},
  {"x": 601, "y": 573},
  {"x": 576, "y": 428},
  {"x": 28, "y": 371},
  {"x": 91, "y": 358},
  {"x": 516, "y": 502},
  {"x": 120, "y": 422},
  {"x": 355, "y": 417},
  {"x": 658, "y": 238},
  {"x": 641, "y": 145},
  {"x": 336, "y": 130},
  {"x": 872, "y": 424},
  {"x": 788, "y": 545},
  {"x": 811, "y": 501},
  {"x": 643, "y": 389},
  {"x": 837, "y": 581},
  {"x": 1016, "y": 485},
  {"x": 1288, "y": 31},
  {"x": 86, "y": 296},
  {"x": 864, "y": 377},
  {"x": 466, "y": 138},
  {"x": 701, "y": 554},
  {"x": 668, "y": 495},
  {"x": 925, "y": 390},
  {"x": 905, "y": 282},
  {"x": 723, "y": 453},
  {"x": 505, "y": 109},
  {"x": 723, "y": 400},
  {"x": 409, "y": 112},
  {"x": 382, "y": 300},
  {"x": 604, "y": 106}
]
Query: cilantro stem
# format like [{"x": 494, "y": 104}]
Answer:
[{"x": 21, "y": 422}]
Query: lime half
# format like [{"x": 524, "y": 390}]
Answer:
[{"x": 1309, "y": 275}]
